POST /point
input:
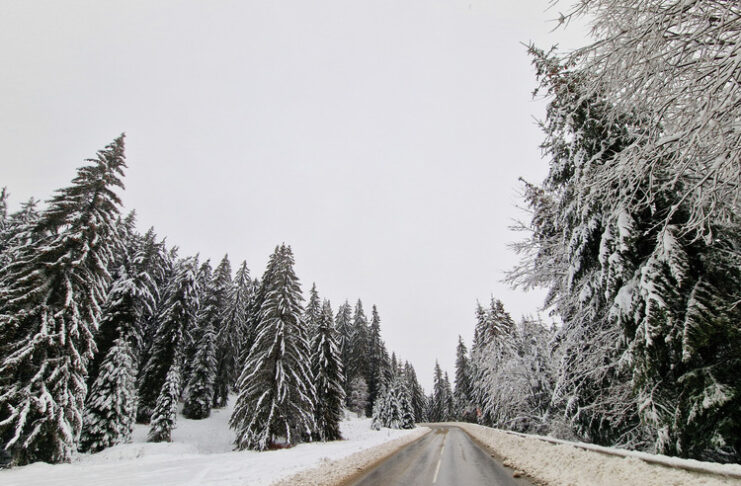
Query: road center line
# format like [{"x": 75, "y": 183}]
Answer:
[{"x": 440, "y": 460}]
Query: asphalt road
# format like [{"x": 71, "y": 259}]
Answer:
[{"x": 445, "y": 457}]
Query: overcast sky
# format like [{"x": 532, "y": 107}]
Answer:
[{"x": 383, "y": 140}]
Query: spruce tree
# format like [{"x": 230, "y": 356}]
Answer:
[
  {"x": 202, "y": 380},
  {"x": 232, "y": 335},
  {"x": 52, "y": 291},
  {"x": 110, "y": 409},
  {"x": 377, "y": 359},
  {"x": 358, "y": 399},
  {"x": 417, "y": 398},
  {"x": 393, "y": 409},
  {"x": 326, "y": 368},
  {"x": 313, "y": 312},
  {"x": 178, "y": 314},
  {"x": 276, "y": 394},
  {"x": 192, "y": 333},
  {"x": 200, "y": 387},
  {"x": 464, "y": 408},
  {"x": 438, "y": 411},
  {"x": 359, "y": 344},
  {"x": 343, "y": 323},
  {"x": 165, "y": 410}
]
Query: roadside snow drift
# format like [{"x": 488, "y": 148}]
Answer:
[
  {"x": 200, "y": 454},
  {"x": 564, "y": 464}
]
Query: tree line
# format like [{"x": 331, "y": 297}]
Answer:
[
  {"x": 635, "y": 234},
  {"x": 102, "y": 327}
]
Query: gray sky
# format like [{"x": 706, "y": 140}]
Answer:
[{"x": 381, "y": 139}]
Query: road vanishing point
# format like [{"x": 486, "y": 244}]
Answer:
[{"x": 447, "y": 456}]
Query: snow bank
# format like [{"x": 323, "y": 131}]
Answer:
[
  {"x": 567, "y": 465},
  {"x": 201, "y": 454},
  {"x": 331, "y": 473}
]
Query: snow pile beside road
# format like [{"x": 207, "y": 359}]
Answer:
[
  {"x": 201, "y": 454},
  {"x": 332, "y": 473},
  {"x": 564, "y": 464}
]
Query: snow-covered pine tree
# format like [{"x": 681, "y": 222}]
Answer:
[
  {"x": 192, "y": 334},
  {"x": 378, "y": 407},
  {"x": 394, "y": 409},
  {"x": 464, "y": 409},
  {"x": 313, "y": 312},
  {"x": 326, "y": 369},
  {"x": 177, "y": 315},
  {"x": 629, "y": 278},
  {"x": 407, "y": 411},
  {"x": 359, "y": 344},
  {"x": 110, "y": 409},
  {"x": 200, "y": 387},
  {"x": 343, "y": 323},
  {"x": 252, "y": 319},
  {"x": 110, "y": 406},
  {"x": 201, "y": 383},
  {"x": 494, "y": 344},
  {"x": 358, "y": 400},
  {"x": 417, "y": 398},
  {"x": 674, "y": 64},
  {"x": 232, "y": 335},
  {"x": 276, "y": 394},
  {"x": 52, "y": 291},
  {"x": 438, "y": 407},
  {"x": 378, "y": 359},
  {"x": 129, "y": 296},
  {"x": 165, "y": 410},
  {"x": 449, "y": 401},
  {"x": 13, "y": 230}
]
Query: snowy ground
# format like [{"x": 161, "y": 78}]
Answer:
[
  {"x": 200, "y": 454},
  {"x": 567, "y": 464}
]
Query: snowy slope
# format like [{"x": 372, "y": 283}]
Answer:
[{"x": 200, "y": 454}]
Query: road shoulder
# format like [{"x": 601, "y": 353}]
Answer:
[{"x": 343, "y": 471}]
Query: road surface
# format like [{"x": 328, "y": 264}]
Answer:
[{"x": 447, "y": 456}]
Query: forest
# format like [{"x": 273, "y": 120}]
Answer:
[{"x": 634, "y": 233}]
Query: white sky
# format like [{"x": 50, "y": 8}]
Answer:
[{"x": 381, "y": 139}]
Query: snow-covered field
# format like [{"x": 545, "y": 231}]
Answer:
[{"x": 200, "y": 454}]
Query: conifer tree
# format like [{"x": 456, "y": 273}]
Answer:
[
  {"x": 359, "y": 344},
  {"x": 110, "y": 409},
  {"x": 276, "y": 394},
  {"x": 192, "y": 333},
  {"x": 178, "y": 314},
  {"x": 394, "y": 409},
  {"x": 358, "y": 400},
  {"x": 52, "y": 291},
  {"x": 326, "y": 368},
  {"x": 417, "y": 398},
  {"x": 377, "y": 359},
  {"x": 440, "y": 409},
  {"x": 464, "y": 407},
  {"x": 200, "y": 387},
  {"x": 165, "y": 410},
  {"x": 201, "y": 383},
  {"x": 343, "y": 323},
  {"x": 232, "y": 335},
  {"x": 313, "y": 312},
  {"x": 110, "y": 406}
]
